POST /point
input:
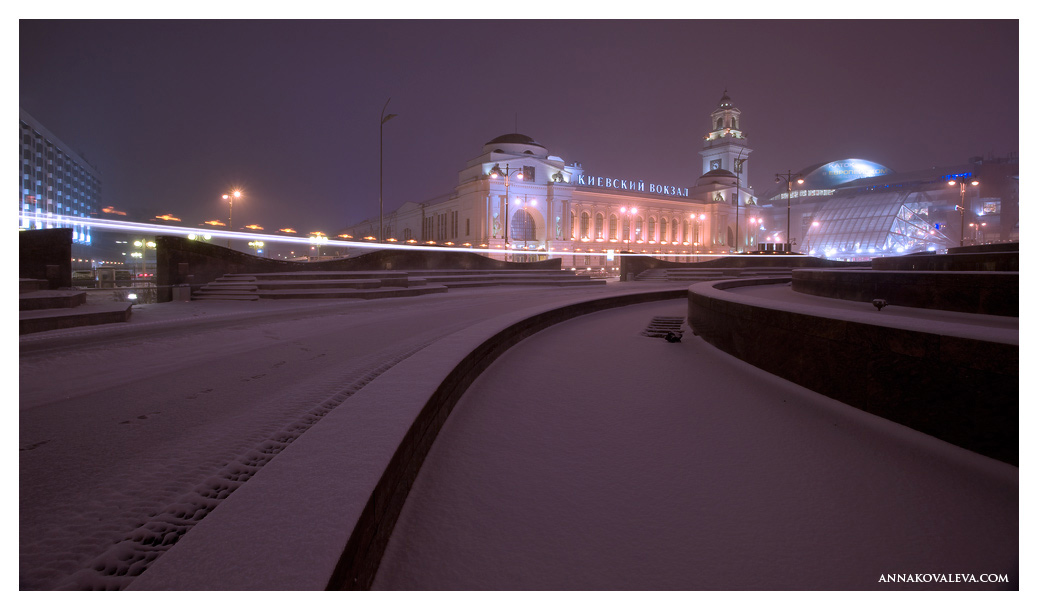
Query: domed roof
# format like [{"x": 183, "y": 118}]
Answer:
[
  {"x": 515, "y": 144},
  {"x": 514, "y": 138},
  {"x": 726, "y": 102},
  {"x": 718, "y": 176}
]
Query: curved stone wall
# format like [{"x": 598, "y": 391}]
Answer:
[
  {"x": 183, "y": 261},
  {"x": 638, "y": 264},
  {"x": 993, "y": 293},
  {"x": 957, "y": 388}
]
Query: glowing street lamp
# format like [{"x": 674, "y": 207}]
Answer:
[
  {"x": 962, "y": 182},
  {"x": 316, "y": 239},
  {"x": 629, "y": 234},
  {"x": 814, "y": 225},
  {"x": 698, "y": 241},
  {"x": 143, "y": 245},
  {"x": 789, "y": 177},
  {"x": 977, "y": 227},
  {"x": 496, "y": 172},
  {"x": 522, "y": 203},
  {"x": 758, "y": 225},
  {"x": 230, "y": 197}
]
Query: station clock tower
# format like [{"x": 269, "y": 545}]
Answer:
[{"x": 725, "y": 147}]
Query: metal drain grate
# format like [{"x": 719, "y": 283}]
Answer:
[{"x": 661, "y": 325}]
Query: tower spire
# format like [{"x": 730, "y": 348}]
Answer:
[{"x": 725, "y": 147}]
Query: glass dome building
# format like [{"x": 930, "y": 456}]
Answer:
[{"x": 855, "y": 209}]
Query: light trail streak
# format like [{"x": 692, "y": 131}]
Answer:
[{"x": 133, "y": 227}]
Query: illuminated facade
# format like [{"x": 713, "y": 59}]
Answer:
[
  {"x": 855, "y": 209},
  {"x": 54, "y": 180},
  {"x": 518, "y": 198}
]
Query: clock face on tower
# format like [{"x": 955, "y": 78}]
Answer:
[{"x": 715, "y": 164}]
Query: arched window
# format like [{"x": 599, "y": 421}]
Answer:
[
  {"x": 735, "y": 123},
  {"x": 585, "y": 225},
  {"x": 720, "y": 122},
  {"x": 684, "y": 230},
  {"x": 599, "y": 222},
  {"x": 522, "y": 227},
  {"x": 639, "y": 223},
  {"x": 652, "y": 228},
  {"x": 663, "y": 229},
  {"x": 612, "y": 226},
  {"x": 674, "y": 230},
  {"x": 626, "y": 235},
  {"x": 573, "y": 225}
]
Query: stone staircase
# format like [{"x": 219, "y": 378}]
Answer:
[
  {"x": 375, "y": 284},
  {"x": 706, "y": 274},
  {"x": 40, "y": 309}
]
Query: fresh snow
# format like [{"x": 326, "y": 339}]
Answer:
[
  {"x": 593, "y": 458},
  {"x": 129, "y": 435}
]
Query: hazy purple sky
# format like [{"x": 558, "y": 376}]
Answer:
[{"x": 175, "y": 112}]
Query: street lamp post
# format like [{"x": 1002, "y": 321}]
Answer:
[
  {"x": 495, "y": 172},
  {"x": 629, "y": 213},
  {"x": 699, "y": 232},
  {"x": 316, "y": 239},
  {"x": 382, "y": 121},
  {"x": 738, "y": 171},
  {"x": 522, "y": 203},
  {"x": 977, "y": 227},
  {"x": 230, "y": 197},
  {"x": 814, "y": 225},
  {"x": 789, "y": 177},
  {"x": 962, "y": 182},
  {"x": 143, "y": 254}
]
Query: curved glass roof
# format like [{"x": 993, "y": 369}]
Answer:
[
  {"x": 835, "y": 173},
  {"x": 871, "y": 224}
]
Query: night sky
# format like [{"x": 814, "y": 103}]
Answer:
[{"x": 174, "y": 113}]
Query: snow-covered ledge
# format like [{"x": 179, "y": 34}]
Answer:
[
  {"x": 320, "y": 514},
  {"x": 951, "y": 375}
]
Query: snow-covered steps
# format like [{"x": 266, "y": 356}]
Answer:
[
  {"x": 705, "y": 274},
  {"x": 377, "y": 284},
  {"x": 44, "y": 310}
]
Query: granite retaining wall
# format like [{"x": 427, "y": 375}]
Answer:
[
  {"x": 959, "y": 389},
  {"x": 993, "y": 292}
]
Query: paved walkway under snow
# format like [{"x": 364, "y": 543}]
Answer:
[{"x": 590, "y": 457}]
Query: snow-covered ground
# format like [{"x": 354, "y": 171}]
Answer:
[
  {"x": 130, "y": 433},
  {"x": 590, "y": 457}
]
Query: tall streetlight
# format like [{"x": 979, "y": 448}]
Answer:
[
  {"x": 738, "y": 182},
  {"x": 699, "y": 231},
  {"x": 522, "y": 203},
  {"x": 507, "y": 172},
  {"x": 977, "y": 227},
  {"x": 789, "y": 177},
  {"x": 316, "y": 239},
  {"x": 757, "y": 223},
  {"x": 230, "y": 197},
  {"x": 962, "y": 182},
  {"x": 383, "y": 118},
  {"x": 630, "y": 214},
  {"x": 143, "y": 244}
]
